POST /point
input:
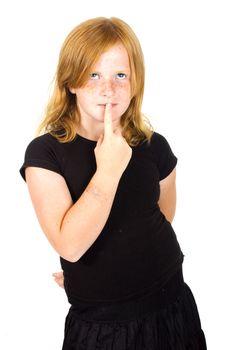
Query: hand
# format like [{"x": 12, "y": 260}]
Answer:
[
  {"x": 112, "y": 151},
  {"x": 59, "y": 278}
]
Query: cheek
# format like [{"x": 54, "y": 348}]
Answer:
[
  {"x": 123, "y": 90},
  {"x": 90, "y": 91}
]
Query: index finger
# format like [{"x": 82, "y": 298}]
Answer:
[{"x": 108, "y": 119}]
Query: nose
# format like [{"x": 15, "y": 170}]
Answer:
[{"x": 107, "y": 88}]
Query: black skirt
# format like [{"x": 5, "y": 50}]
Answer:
[{"x": 167, "y": 319}]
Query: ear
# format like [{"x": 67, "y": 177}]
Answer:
[{"x": 72, "y": 90}]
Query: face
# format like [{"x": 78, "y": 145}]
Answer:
[{"x": 109, "y": 81}]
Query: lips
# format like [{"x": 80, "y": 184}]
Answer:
[{"x": 104, "y": 104}]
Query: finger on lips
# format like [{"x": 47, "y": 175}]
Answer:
[{"x": 108, "y": 118}]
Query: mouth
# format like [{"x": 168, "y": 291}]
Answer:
[{"x": 104, "y": 104}]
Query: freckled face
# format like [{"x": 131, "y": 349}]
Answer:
[{"x": 109, "y": 81}]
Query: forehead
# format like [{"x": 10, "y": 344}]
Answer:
[{"x": 116, "y": 56}]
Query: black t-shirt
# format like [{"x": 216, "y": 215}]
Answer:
[{"x": 137, "y": 249}]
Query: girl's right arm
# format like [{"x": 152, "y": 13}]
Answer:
[{"x": 72, "y": 228}]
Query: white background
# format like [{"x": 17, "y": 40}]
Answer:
[{"x": 189, "y": 84}]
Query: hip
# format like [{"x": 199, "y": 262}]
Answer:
[{"x": 133, "y": 308}]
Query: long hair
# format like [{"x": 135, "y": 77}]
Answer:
[{"x": 80, "y": 51}]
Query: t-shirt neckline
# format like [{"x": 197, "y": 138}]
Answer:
[{"x": 85, "y": 139}]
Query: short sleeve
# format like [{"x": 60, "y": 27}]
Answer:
[
  {"x": 41, "y": 152},
  {"x": 164, "y": 156}
]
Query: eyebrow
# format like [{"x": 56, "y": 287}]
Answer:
[
  {"x": 117, "y": 70},
  {"x": 123, "y": 68}
]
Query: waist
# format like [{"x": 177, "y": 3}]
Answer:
[
  {"x": 135, "y": 308},
  {"x": 122, "y": 263}
]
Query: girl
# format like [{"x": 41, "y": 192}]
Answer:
[{"x": 102, "y": 183}]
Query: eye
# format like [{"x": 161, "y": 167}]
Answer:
[
  {"x": 93, "y": 76},
  {"x": 122, "y": 75}
]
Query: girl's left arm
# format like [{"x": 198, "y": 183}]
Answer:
[
  {"x": 167, "y": 199},
  {"x": 59, "y": 278}
]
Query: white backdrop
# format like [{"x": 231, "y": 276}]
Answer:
[{"x": 189, "y": 73}]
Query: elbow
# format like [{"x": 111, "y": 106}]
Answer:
[
  {"x": 69, "y": 255},
  {"x": 70, "y": 258},
  {"x": 66, "y": 251},
  {"x": 169, "y": 215},
  {"x": 64, "y": 248},
  {"x": 169, "y": 219}
]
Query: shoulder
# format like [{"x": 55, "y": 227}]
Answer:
[
  {"x": 43, "y": 146},
  {"x": 158, "y": 138},
  {"x": 163, "y": 154},
  {"x": 159, "y": 142},
  {"x": 46, "y": 140},
  {"x": 43, "y": 151}
]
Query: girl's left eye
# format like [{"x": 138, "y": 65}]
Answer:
[{"x": 124, "y": 75}]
